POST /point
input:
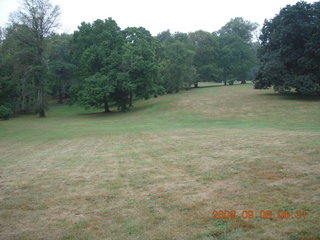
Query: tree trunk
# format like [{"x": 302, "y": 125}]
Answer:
[
  {"x": 243, "y": 82},
  {"x": 40, "y": 102},
  {"x": 196, "y": 85},
  {"x": 62, "y": 92},
  {"x": 60, "y": 101},
  {"x": 130, "y": 99},
  {"x": 23, "y": 103}
]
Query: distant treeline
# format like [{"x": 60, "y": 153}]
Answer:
[{"x": 100, "y": 64}]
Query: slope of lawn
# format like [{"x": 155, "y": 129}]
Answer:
[{"x": 160, "y": 170}]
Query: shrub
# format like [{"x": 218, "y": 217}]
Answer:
[
  {"x": 5, "y": 112},
  {"x": 231, "y": 81}
]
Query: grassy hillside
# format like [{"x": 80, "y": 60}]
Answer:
[{"x": 160, "y": 170}]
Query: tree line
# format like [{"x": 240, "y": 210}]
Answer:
[{"x": 100, "y": 65}]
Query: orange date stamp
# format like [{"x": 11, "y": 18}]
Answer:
[{"x": 263, "y": 214}]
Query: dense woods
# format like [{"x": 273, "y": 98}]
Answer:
[{"x": 101, "y": 65}]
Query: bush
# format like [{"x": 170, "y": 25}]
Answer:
[
  {"x": 231, "y": 81},
  {"x": 5, "y": 112}
]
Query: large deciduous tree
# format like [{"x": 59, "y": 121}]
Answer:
[
  {"x": 176, "y": 58},
  {"x": 239, "y": 27},
  {"x": 7, "y": 86},
  {"x": 35, "y": 20},
  {"x": 206, "y": 56},
  {"x": 289, "y": 54},
  {"x": 236, "y": 55},
  {"x": 140, "y": 63},
  {"x": 19, "y": 56},
  {"x": 122, "y": 63},
  {"x": 97, "y": 50}
]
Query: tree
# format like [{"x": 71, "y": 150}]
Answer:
[
  {"x": 237, "y": 55},
  {"x": 97, "y": 51},
  {"x": 176, "y": 61},
  {"x": 95, "y": 92},
  {"x": 97, "y": 47},
  {"x": 7, "y": 95},
  {"x": 239, "y": 27},
  {"x": 289, "y": 55},
  {"x": 125, "y": 62},
  {"x": 61, "y": 68},
  {"x": 1, "y": 36},
  {"x": 206, "y": 56},
  {"x": 164, "y": 36},
  {"x": 139, "y": 61},
  {"x": 37, "y": 18},
  {"x": 17, "y": 65}
]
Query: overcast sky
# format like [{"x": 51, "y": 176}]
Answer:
[{"x": 160, "y": 15}]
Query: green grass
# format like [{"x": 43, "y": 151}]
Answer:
[{"x": 159, "y": 170}]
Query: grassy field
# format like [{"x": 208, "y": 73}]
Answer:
[{"x": 160, "y": 170}]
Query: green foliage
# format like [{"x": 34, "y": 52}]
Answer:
[
  {"x": 7, "y": 86},
  {"x": 231, "y": 81},
  {"x": 140, "y": 64},
  {"x": 5, "y": 112},
  {"x": 95, "y": 92},
  {"x": 97, "y": 50},
  {"x": 97, "y": 47},
  {"x": 239, "y": 27},
  {"x": 101, "y": 64},
  {"x": 179, "y": 70},
  {"x": 61, "y": 68},
  {"x": 24, "y": 52},
  {"x": 17, "y": 61},
  {"x": 177, "y": 63},
  {"x": 289, "y": 54},
  {"x": 206, "y": 48},
  {"x": 127, "y": 59},
  {"x": 236, "y": 55}
]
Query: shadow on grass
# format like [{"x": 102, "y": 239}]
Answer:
[
  {"x": 292, "y": 97},
  {"x": 133, "y": 109},
  {"x": 146, "y": 106},
  {"x": 222, "y": 85},
  {"x": 101, "y": 114}
]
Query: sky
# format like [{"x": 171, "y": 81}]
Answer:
[{"x": 158, "y": 15}]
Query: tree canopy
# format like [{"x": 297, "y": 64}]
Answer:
[
  {"x": 61, "y": 69},
  {"x": 206, "y": 47},
  {"x": 176, "y": 58},
  {"x": 31, "y": 24},
  {"x": 236, "y": 55},
  {"x": 123, "y": 63},
  {"x": 289, "y": 55}
]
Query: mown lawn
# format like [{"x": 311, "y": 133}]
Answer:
[{"x": 160, "y": 170}]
